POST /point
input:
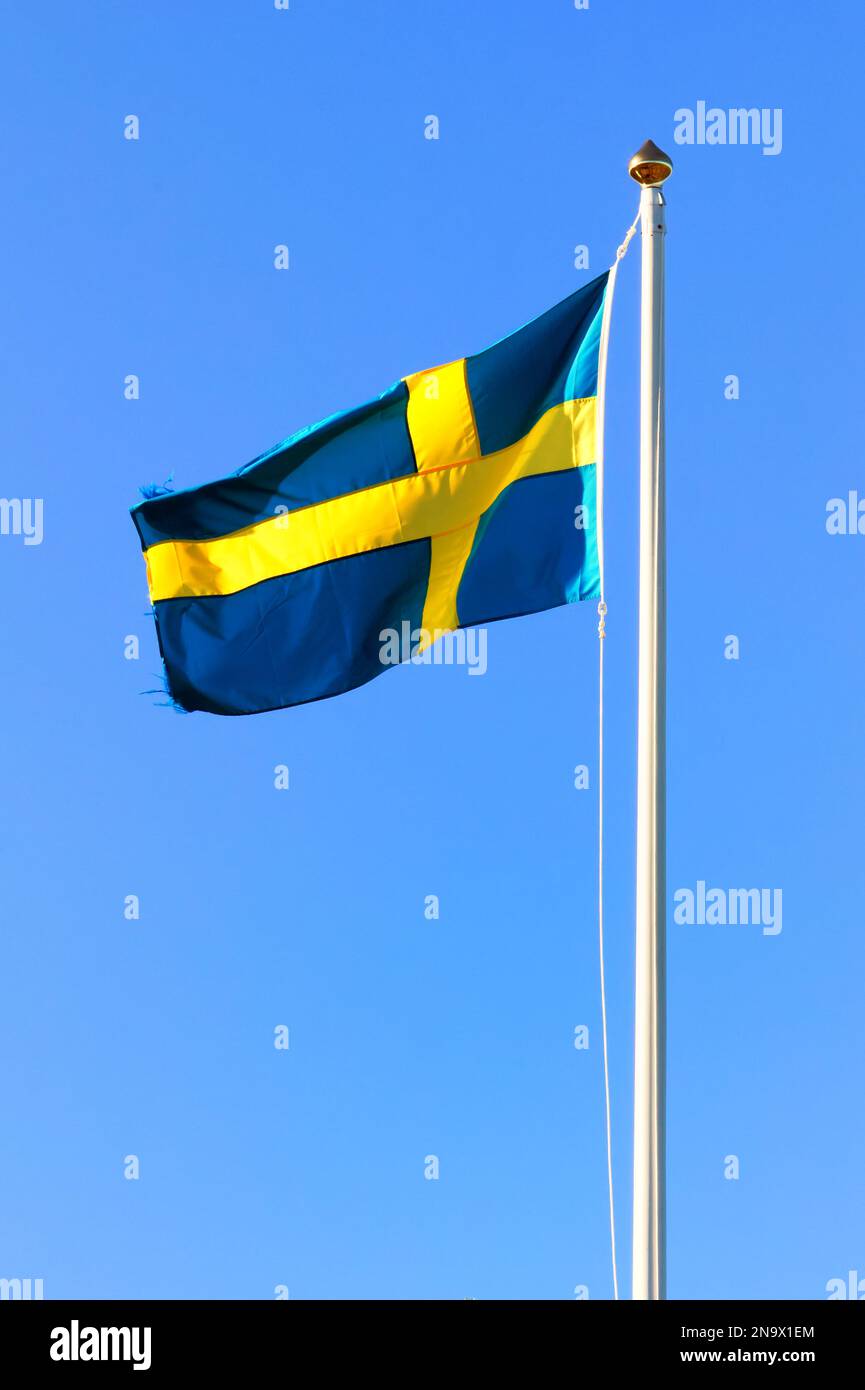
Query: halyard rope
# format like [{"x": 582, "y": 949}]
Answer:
[{"x": 602, "y": 632}]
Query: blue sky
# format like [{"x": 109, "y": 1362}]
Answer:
[{"x": 305, "y": 907}]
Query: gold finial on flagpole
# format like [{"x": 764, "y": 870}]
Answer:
[{"x": 650, "y": 166}]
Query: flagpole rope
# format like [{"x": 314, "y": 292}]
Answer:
[{"x": 602, "y": 632}]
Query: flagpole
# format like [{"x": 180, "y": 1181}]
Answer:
[{"x": 650, "y": 167}]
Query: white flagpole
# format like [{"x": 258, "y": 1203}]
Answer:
[{"x": 650, "y": 167}]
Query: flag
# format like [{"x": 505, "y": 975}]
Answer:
[{"x": 461, "y": 495}]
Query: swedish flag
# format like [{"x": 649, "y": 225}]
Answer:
[{"x": 461, "y": 495}]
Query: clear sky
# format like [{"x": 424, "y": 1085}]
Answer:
[{"x": 261, "y": 907}]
